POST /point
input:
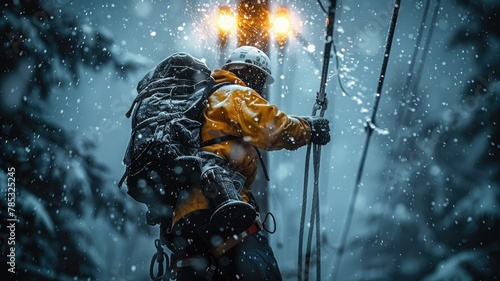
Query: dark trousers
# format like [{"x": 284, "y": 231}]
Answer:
[{"x": 251, "y": 259}]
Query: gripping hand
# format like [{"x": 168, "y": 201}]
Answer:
[{"x": 320, "y": 129}]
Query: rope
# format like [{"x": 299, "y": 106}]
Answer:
[
  {"x": 314, "y": 219},
  {"x": 427, "y": 43},
  {"x": 303, "y": 213},
  {"x": 370, "y": 125},
  {"x": 409, "y": 81},
  {"x": 314, "y": 222}
]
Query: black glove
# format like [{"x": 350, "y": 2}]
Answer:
[{"x": 320, "y": 129}]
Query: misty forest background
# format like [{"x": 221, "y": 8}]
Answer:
[{"x": 429, "y": 203}]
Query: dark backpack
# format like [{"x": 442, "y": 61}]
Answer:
[{"x": 163, "y": 154}]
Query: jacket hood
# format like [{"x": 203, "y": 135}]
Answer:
[{"x": 221, "y": 76}]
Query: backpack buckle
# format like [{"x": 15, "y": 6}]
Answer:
[
  {"x": 159, "y": 132},
  {"x": 238, "y": 181}
]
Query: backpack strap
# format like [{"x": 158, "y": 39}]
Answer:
[
  {"x": 264, "y": 168},
  {"x": 214, "y": 87},
  {"x": 210, "y": 87},
  {"x": 219, "y": 140},
  {"x": 231, "y": 137}
]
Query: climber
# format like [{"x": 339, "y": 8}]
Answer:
[{"x": 237, "y": 122}]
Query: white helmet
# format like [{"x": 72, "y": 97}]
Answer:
[{"x": 248, "y": 55}]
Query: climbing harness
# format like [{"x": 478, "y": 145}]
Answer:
[
  {"x": 217, "y": 251},
  {"x": 370, "y": 127},
  {"x": 196, "y": 261},
  {"x": 321, "y": 104},
  {"x": 227, "y": 245}
]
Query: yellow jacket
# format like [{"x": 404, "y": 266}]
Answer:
[{"x": 237, "y": 110}]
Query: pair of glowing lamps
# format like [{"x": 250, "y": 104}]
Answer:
[{"x": 226, "y": 21}]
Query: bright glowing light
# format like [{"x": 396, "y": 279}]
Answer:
[
  {"x": 281, "y": 25},
  {"x": 226, "y": 21}
]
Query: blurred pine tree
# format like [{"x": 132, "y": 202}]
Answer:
[
  {"x": 439, "y": 218},
  {"x": 59, "y": 183}
]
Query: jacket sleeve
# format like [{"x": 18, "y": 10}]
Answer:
[{"x": 262, "y": 125}]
